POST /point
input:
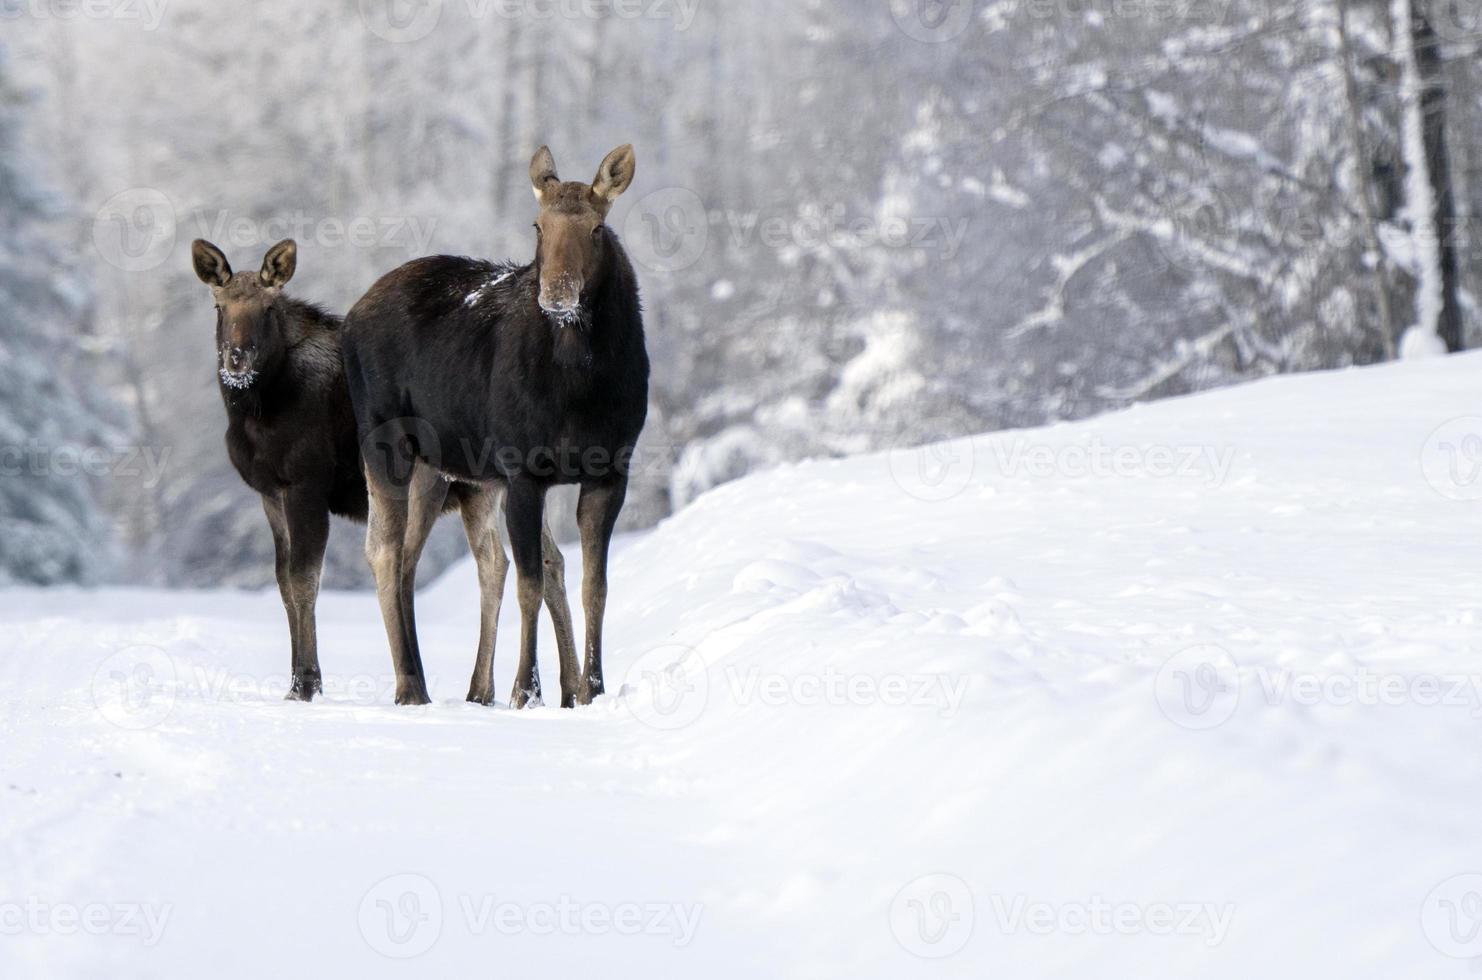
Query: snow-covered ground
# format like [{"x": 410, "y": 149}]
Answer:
[{"x": 1191, "y": 690}]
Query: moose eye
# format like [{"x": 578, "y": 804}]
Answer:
[{"x": 597, "y": 232}]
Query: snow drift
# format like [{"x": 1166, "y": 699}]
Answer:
[{"x": 1192, "y": 689}]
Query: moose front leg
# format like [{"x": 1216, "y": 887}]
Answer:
[
  {"x": 555, "y": 600},
  {"x": 278, "y": 522},
  {"x": 480, "y": 508},
  {"x": 524, "y": 506},
  {"x": 308, "y": 533},
  {"x": 596, "y": 515}
]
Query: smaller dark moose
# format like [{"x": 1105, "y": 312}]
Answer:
[{"x": 290, "y": 432}]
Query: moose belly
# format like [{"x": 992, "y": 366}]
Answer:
[{"x": 572, "y": 457}]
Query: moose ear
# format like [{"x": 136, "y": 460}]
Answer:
[
  {"x": 211, "y": 266},
  {"x": 542, "y": 172},
  {"x": 278, "y": 264},
  {"x": 614, "y": 174}
]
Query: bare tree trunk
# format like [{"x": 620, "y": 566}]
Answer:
[
  {"x": 506, "y": 154},
  {"x": 535, "y": 109},
  {"x": 1365, "y": 188},
  {"x": 597, "y": 71},
  {"x": 1438, "y": 166}
]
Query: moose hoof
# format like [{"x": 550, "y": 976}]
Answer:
[
  {"x": 304, "y": 689},
  {"x": 523, "y": 698},
  {"x": 591, "y": 690},
  {"x": 481, "y": 694},
  {"x": 412, "y": 696}
]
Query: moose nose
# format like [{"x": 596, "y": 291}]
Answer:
[
  {"x": 236, "y": 357},
  {"x": 553, "y": 304}
]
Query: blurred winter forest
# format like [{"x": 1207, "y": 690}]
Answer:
[{"x": 856, "y": 224}]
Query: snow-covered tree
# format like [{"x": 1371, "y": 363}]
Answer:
[
  {"x": 54, "y": 422},
  {"x": 852, "y": 226}
]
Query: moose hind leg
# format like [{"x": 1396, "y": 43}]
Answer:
[
  {"x": 384, "y": 537},
  {"x": 479, "y": 508},
  {"x": 425, "y": 495}
]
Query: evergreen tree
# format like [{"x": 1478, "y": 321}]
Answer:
[{"x": 52, "y": 419}]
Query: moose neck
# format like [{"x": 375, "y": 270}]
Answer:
[
  {"x": 258, "y": 400},
  {"x": 585, "y": 346}
]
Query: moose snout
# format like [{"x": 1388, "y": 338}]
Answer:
[
  {"x": 559, "y": 305},
  {"x": 560, "y": 299},
  {"x": 238, "y": 363}
]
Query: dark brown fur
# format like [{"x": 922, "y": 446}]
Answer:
[
  {"x": 290, "y": 430},
  {"x": 515, "y": 376}
]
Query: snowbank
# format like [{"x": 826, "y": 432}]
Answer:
[{"x": 1188, "y": 690}]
